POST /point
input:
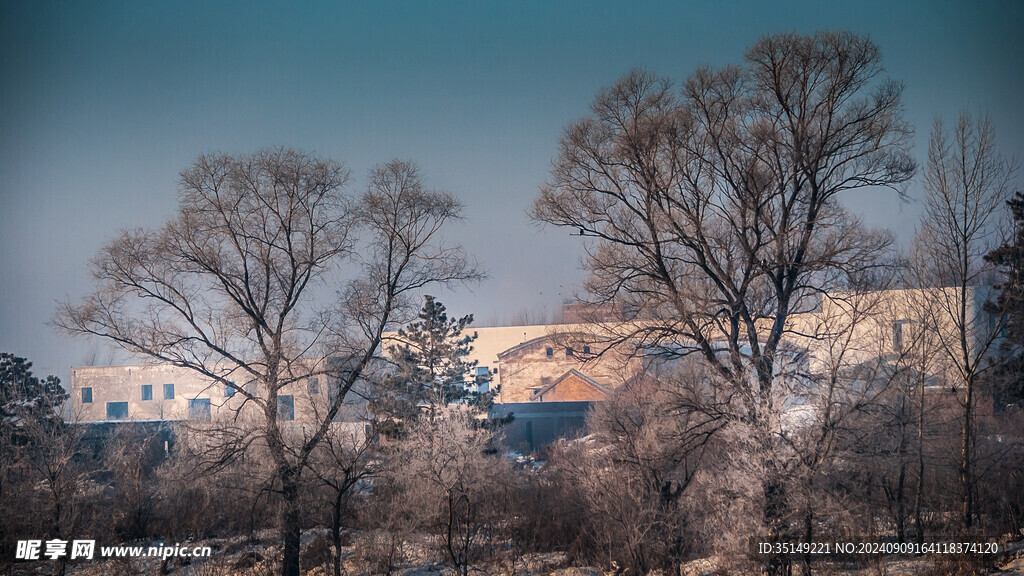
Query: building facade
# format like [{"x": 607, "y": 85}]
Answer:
[
  {"x": 162, "y": 392},
  {"x": 548, "y": 363}
]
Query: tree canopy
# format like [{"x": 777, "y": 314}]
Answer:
[
  {"x": 431, "y": 365},
  {"x": 226, "y": 289},
  {"x": 25, "y": 399},
  {"x": 712, "y": 211}
]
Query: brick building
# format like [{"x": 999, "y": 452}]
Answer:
[{"x": 567, "y": 365}]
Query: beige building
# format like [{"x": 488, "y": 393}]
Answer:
[
  {"x": 543, "y": 363},
  {"x": 165, "y": 392},
  {"x": 899, "y": 324},
  {"x": 522, "y": 359}
]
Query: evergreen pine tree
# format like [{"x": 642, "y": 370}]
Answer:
[
  {"x": 432, "y": 368},
  {"x": 1010, "y": 302},
  {"x": 25, "y": 398}
]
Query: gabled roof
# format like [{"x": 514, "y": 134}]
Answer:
[{"x": 586, "y": 379}]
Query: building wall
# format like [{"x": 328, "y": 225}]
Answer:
[
  {"x": 529, "y": 367},
  {"x": 537, "y": 424},
  {"x": 572, "y": 389},
  {"x": 125, "y": 384},
  {"x": 493, "y": 340},
  {"x": 516, "y": 357},
  {"x": 889, "y": 324}
]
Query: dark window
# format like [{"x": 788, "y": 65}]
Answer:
[
  {"x": 586, "y": 349},
  {"x": 314, "y": 385},
  {"x": 168, "y": 391},
  {"x": 199, "y": 409},
  {"x": 285, "y": 408},
  {"x": 147, "y": 391},
  {"x": 86, "y": 395},
  {"x": 897, "y": 334},
  {"x": 229, "y": 389},
  {"x": 550, "y": 351},
  {"x": 568, "y": 351},
  {"x": 117, "y": 410}
]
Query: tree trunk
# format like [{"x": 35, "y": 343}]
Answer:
[
  {"x": 901, "y": 507},
  {"x": 774, "y": 517},
  {"x": 918, "y": 523},
  {"x": 966, "y": 457},
  {"x": 336, "y": 533},
  {"x": 773, "y": 484},
  {"x": 58, "y": 511},
  {"x": 291, "y": 521},
  {"x": 808, "y": 538}
]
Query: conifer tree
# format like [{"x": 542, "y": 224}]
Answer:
[
  {"x": 1010, "y": 304},
  {"x": 25, "y": 398},
  {"x": 432, "y": 365}
]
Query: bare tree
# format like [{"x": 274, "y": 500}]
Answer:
[
  {"x": 966, "y": 188},
  {"x": 652, "y": 438},
  {"x": 227, "y": 289},
  {"x": 59, "y": 464},
  {"x": 345, "y": 458},
  {"x": 852, "y": 374},
  {"x": 714, "y": 215},
  {"x": 456, "y": 492}
]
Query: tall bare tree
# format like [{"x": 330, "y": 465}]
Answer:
[
  {"x": 227, "y": 287},
  {"x": 967, "y": 184},
  {"x": 714, "y": 214},
  {"x": 345, "y": 458}
]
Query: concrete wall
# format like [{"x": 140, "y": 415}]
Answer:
[
  {"x": 892, "y": 324},
  {"x": 124, "y": 384},
  {"x": 537, "y": 424}
]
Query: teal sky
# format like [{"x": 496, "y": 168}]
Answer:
[{"x": 103, "y": 103}]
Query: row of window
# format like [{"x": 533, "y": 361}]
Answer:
[
  {"x": 147, "y": 393},
  {"x": 199, "y": 409},
  {"x": 313, "y": 385},
  {"x": 568, "y": 351},
  {"x": 230, "y": 389}
]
